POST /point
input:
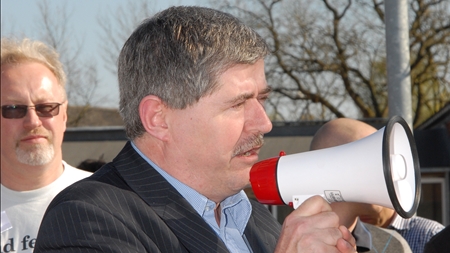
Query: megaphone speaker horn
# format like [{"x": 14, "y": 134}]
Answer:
[{"x": 381, "y": 169}]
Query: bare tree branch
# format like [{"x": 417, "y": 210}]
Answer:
[
  {"x": 82, "y": 81},
  {"x": 329, "y": 57}
]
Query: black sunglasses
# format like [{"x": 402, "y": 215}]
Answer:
[{"x": 19, "y": 111}]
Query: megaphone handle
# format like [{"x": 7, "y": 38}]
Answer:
[{"x": 297, "y": 200}]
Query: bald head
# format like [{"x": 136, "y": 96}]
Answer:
[{"x": 340, "y": 131}]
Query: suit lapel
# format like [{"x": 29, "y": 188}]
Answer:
[
  {"x": 262, "y": 230},
  {"x": 164, "y": 199}
]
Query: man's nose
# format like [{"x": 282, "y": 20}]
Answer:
[
  {"x": 31, "y": 119},
  {"x": 258, "y": 117}
]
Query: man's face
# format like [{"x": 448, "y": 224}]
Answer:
[
  {"x": 30, "y": 140},
  {"x": 218, "y": 139},
  {"x": 359, "y": 209},
  {"x": 377, "y": 215}
]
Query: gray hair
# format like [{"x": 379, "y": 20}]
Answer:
[
  {"x": 178, "y": 55},
  {"x": 26, "y": 50}
]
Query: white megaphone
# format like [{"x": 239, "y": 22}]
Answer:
[{"x": 381, "y": 169}]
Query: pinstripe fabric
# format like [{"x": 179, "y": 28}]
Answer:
[{"x": 129, "y": 207}]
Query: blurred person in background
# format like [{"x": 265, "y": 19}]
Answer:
[
  {"x": 91, "y": 165},
  {"x": 417, "y": 231},
  {"x": 369, "y": 238}
]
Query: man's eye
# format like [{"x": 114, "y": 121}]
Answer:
[
  {"x": 44, "y": 107},
  {"x": 239, "y": 104},
  {"x": 263, "y": 99}
]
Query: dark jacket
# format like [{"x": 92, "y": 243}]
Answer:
[{"x": 127, "y": 206}]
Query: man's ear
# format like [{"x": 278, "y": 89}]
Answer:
[
  {"x": 152, "y": 112},
  {"x": 63, "y": 110}
]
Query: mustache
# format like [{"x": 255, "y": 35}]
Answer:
[
  {"x": 249, "y": 143},
  {"x": 35, "y": 132}
]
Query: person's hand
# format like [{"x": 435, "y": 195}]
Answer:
[{"x": 313, "y": 227}]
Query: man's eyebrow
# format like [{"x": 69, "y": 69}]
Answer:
[
  {"x": 240, "y": 98},
  {"x": 265, "y": 91},
  {"x": 246, "y": 96}
]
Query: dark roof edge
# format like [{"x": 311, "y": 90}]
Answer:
[
  {"x": 280, "y": 129},
  {"x": 436, "y": 119}
]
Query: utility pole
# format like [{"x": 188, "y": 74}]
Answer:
[{"x": 398, "y": 59}]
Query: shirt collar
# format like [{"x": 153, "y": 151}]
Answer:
[
  {"x": 398, "y": 223},
  {"x": 237, "y": 206}
]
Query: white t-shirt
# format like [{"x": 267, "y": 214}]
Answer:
[{"x": 22, "y": 211}]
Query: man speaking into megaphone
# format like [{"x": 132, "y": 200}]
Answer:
[{"x": 193, "y": 86}]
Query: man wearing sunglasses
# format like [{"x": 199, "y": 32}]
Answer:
[{"x": 34, "y": 116}]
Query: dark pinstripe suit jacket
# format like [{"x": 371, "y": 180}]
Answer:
[{"x": 127, "y": 206}]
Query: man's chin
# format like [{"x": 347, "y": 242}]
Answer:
[
  {"x": 241, "y": 180},
  {"x": 37, "y": 155},
  {"x": 247, "y": 186}
]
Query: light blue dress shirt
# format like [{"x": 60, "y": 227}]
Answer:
[{"x": 235, "y": 211}]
